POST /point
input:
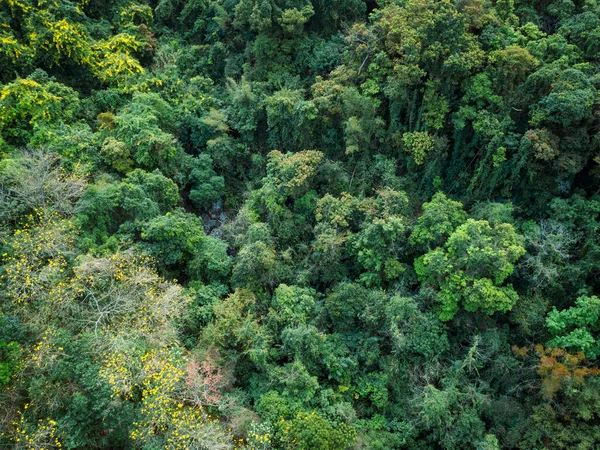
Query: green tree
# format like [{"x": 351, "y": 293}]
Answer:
[
  {"x": 28, "y": 103},
  {"x": 206, "y": 186},
  {"x": 144, "y": 125},
  {"x": 178, "y": 241},
  {"x": 441, "y": 216},
  {"x": 310, "y": 430},
  {"x": 471, "y": 268},
  {"x": 576, "y": 328}
]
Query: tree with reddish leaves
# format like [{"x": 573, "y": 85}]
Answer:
[{"x": 203, "y": 383}]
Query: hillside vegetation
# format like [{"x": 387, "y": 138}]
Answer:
[{"x": 299, "y": 224}]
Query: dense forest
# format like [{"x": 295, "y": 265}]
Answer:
[{"x": 299, "y": 224}]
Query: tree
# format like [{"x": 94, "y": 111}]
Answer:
[
  {"x": 449, "y": 407},
  {"x": 173, "y": 238},
  {"x": 115, "y": 64},
  {"x": 289, "y": 118},
  {"x": 164, "y": 418},
  {"x": 440, "y": 218},
  {"x": 206, "y": 186},
  {"x": 34, "y": 182},
  {"x": 290, "y": 173},
  {"x": 235, "y": 325},
  {"x": 310, "y": 430},
  {"x": 203, "y": 383},
  {"x": 177, "y": 239},
  {"x": 144, "y": 126},
  {"x": 10, "y": 353},
  {"x": 382, "y": 237},
  {"x": 123, "y": 293},
  {"x": 569, "y": 102},
  {"x": 471, "y": 268},
  {"x": 292, "y": 305},
  {"x": 108, "y": 206},
  {"x": 334, "y": 218},
  {"x": 413, "y": 331},
  {"x": 28, "y": 103},
  {"x": 576, "y": 328}
]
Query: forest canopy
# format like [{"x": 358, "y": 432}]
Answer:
[{"x": 299, "y": 224}]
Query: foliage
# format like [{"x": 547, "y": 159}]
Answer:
[
  {"x": 472, "y": 266},
  {"x": 574, "y": 328},
  {"x": 28, "y": 103},
  {"x": 299, "y": 224}
]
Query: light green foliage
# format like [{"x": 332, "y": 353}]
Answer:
[
  {"x": 235, "y": 326},
  {"x": 117, "y": 155},
  {"x": 418, "y": 144},
  {"x": 285, "y": 200},
  {"x": 472, "y": 266},
  {"x": 441, "y": 216},
  {"x": 309, "y": 430},
  {"x": 494, "y": 213},
  {"x": 489, "y": 442},
  {"x": 295, "y": 381},
  {"x": 76, "y": 144},
  {"x": 576, "y": 328},
  {"x": 289, "y": 173},
  {"x": 174, "y": 237},
  {"x": 292, "y": 305},
  {"x": 292, "y": 20},
  {"x": 513, "y": 64},
  {"x": 363, "y": 123},
  {"x": 436, "y": 106}
]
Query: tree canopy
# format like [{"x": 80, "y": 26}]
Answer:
[{"x": 299, "y": 224}]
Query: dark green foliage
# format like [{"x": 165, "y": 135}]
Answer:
[
  {"x": 206, "y": 186},
  {"x": 9, "y": 360}
]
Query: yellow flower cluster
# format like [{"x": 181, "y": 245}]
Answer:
[
  {"x": 37, "y": 257},
  {"x": 115, "y": 65},
  {"x": 109, "y": 60},
  {"x": 10, "y": 47},
  {"x": 135, "y": 13},
  {"x": 165, "y": 417},
  {"x": 27, "y": 99},
  {"x": 260, "y": 437},
  {"x": 67, "y": 41},
  {"x": 17, "y": 6},
  {"x": 119, "y": 369},
  {"x": 45, "y": 352},
  {"x": 41, "y": 436}
]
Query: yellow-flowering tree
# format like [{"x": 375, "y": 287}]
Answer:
[
  {"x": 115, "y": 64},
  {"x": 165, "y": 417}
]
